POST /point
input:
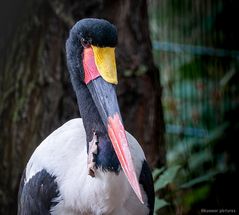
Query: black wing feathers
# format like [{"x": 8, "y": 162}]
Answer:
[
  {"x": 146, "y": 180},
  {"x": 37, "y": 195}
]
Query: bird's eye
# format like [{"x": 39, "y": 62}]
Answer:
[{"x": 85, "y": 43}]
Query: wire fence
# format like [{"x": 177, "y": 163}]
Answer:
[
  {"x": 198, "y": 68},
  {"x": 196, "y": 48}
]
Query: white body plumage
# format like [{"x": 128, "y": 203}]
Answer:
[{"x": 63, "y": 155}]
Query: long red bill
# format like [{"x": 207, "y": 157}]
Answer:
[{"x": 118, "y": 138}]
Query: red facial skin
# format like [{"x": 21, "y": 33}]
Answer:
[{"x": 91, "y": 71}]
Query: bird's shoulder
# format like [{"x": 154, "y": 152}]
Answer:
[
  {"x": 72, "y": 126},
  {"x": 69, "y": 133},
  {"x": 137, "y": 152},
  {"x": 143, "y": 171},
  {"x": 58, "y": 151}
]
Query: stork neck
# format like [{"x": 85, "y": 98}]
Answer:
[
  {"x": 89, "y": 113},
  {"x": 106, "y": 157}
]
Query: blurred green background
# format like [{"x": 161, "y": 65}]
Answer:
[{"x": 196, "y": 47}]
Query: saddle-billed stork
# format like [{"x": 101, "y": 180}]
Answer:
[{"x": 89, "y": 165}]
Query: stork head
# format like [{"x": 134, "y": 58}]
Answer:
[{"x": 91, "y": 61}]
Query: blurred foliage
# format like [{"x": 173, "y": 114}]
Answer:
[
  {"x": 201, "y": 104},
  {"x": 162, "y": 178},
  {"x": 193, "y": 166}
]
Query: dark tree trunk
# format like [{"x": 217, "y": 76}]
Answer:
[{"x": 36, "y": 95}]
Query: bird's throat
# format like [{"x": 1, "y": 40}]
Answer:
[{"x": 105, "y": 157}]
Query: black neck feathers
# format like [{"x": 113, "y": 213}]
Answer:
[{"x": 106, "y": 157}]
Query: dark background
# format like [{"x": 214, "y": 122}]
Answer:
[
  {"x": 177, "y": 64},
  {"x": 36, "y": 93}
]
